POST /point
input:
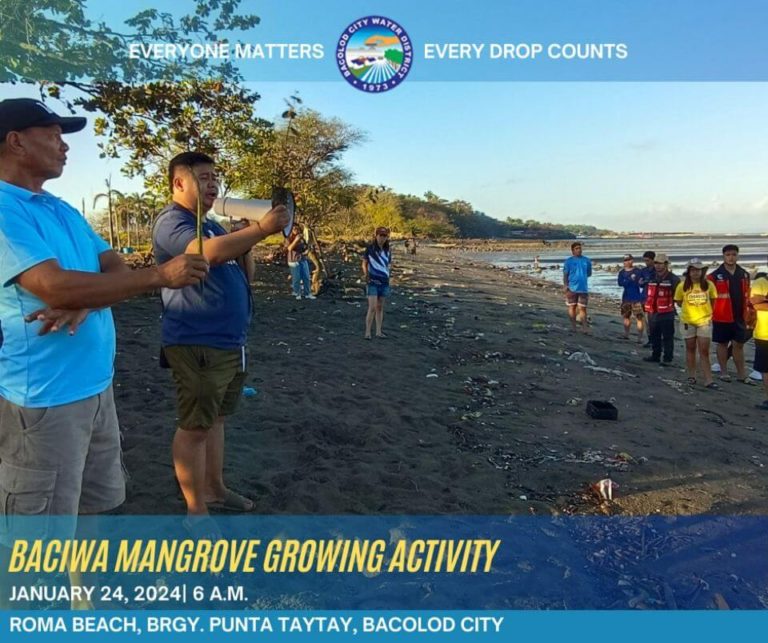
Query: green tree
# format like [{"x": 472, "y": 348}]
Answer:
[
  {"x": 304, "y": 154},
  {"x": 55, "y": 40},
  {"x": 381, "y": 210},
  {"x": 153, "y": 122},
  {"x": 152, "y": 108}
]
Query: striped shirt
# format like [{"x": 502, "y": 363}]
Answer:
[{"x": 378, "y": 264}]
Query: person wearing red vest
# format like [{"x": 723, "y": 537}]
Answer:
[
  {"x": 660, "y": 307},
  {"x": 731, "y": 309}
]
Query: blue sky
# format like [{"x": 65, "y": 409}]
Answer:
[{"x": 623, "y": 155}]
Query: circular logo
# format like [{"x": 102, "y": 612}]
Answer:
[{"x": 374, "y": 54}]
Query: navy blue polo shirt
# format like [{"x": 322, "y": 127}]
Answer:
[{"x": 216, "y": 314}]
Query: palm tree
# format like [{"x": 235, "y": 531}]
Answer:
[
  {"x": 135, "y": 210},
  {"x": 114, "y": 238}
]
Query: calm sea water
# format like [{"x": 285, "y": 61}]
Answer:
[{"x": 608, "y": 253}]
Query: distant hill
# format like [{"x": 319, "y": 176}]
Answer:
[{"x": 460, "y": 219}]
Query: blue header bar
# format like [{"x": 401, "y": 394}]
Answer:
[
  {"x": 379, "y": 43},
  {"x": 501, "y": 41}
]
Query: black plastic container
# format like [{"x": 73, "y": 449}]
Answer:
[{"x": 601, "y": 410}]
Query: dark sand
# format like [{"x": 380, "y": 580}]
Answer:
[{"x": 344, "y": 425}]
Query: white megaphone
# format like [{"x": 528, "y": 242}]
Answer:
[{"x": 255, "y": 209}]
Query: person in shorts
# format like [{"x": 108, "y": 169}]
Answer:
[
  {"x": 631, "y": 281},
  {"x": 377, "y": 263},
  {"x": 731, "y": 327},
  {"x": 204, "y": 332},
  {"x": 57, "y": 348},
  {"x": 577, "y": 269},
  {"x": 59, "y": 436},
  {"x": 759, "y": 300},
  {"x": 695, "y": 295}
]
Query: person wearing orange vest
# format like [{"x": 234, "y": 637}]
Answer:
[
  {"x": 660, "y": 307},
  {"x": 731, "y": 309}
]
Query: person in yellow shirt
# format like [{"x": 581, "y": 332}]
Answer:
[
  {"x": 759, "y": 300},
  {"x": 695, "y": 295}
]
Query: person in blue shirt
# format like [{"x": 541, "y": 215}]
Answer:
[
  {"x": 57, "y": 343},
  {"x": 204, "y": 333},
  {"x": 632, "y": 281},
  {"x": 577, "y": 269},
  {"x": 377, "y": 262}
]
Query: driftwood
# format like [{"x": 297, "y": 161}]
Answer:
[
  {"x": 315, "y": 256},
  {"x": 138, "y": 260}
]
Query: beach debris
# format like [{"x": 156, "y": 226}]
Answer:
[
  {"x": 582, "y": 357},
  {"x": 249, "y": 391},
  {"x": 678, "y": 386},
  {"x": 605, "y": 488},
  {"x": 432, "y": 375},
  {"x": 574, "y": 401},
  {"x": 593, "y": 456},
  {"x": 609, "y": 371},
  {"x": 713, "y": 417},
  {"x": 602, "y": 410}
]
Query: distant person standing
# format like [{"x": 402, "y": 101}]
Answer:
[
  {"x": 660, "y": 308},
  {"x": 298, "y": 264},
  {"x": 759, "y": 300},
  {"x": 377, "y": 262},
  {"x": 648, "y": 272},
  {"x": 632, "y": 298},
  {"x": 695, "y": 296},
  {"x": 731, "y": 312},
  {"x": 577, "y": 270}
]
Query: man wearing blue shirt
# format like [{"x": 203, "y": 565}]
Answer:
[
  {"x": 631, "y": 280},
  {"x": 577, "y": 270},
  {"x": 59, "y": 436},
  {"x": 204, "y": 333}
]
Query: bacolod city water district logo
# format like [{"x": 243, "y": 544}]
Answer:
[{"x": 374, "y": 54}]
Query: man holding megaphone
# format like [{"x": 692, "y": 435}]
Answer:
[{"x": 204, "y": 331}]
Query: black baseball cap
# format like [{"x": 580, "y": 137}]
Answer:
[{"x": 17, "y": 114}]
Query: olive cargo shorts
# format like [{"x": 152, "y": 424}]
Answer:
[{"x": 209, "y": 383}]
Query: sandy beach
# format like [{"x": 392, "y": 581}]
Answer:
[{"x": 471, "y": 405}]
